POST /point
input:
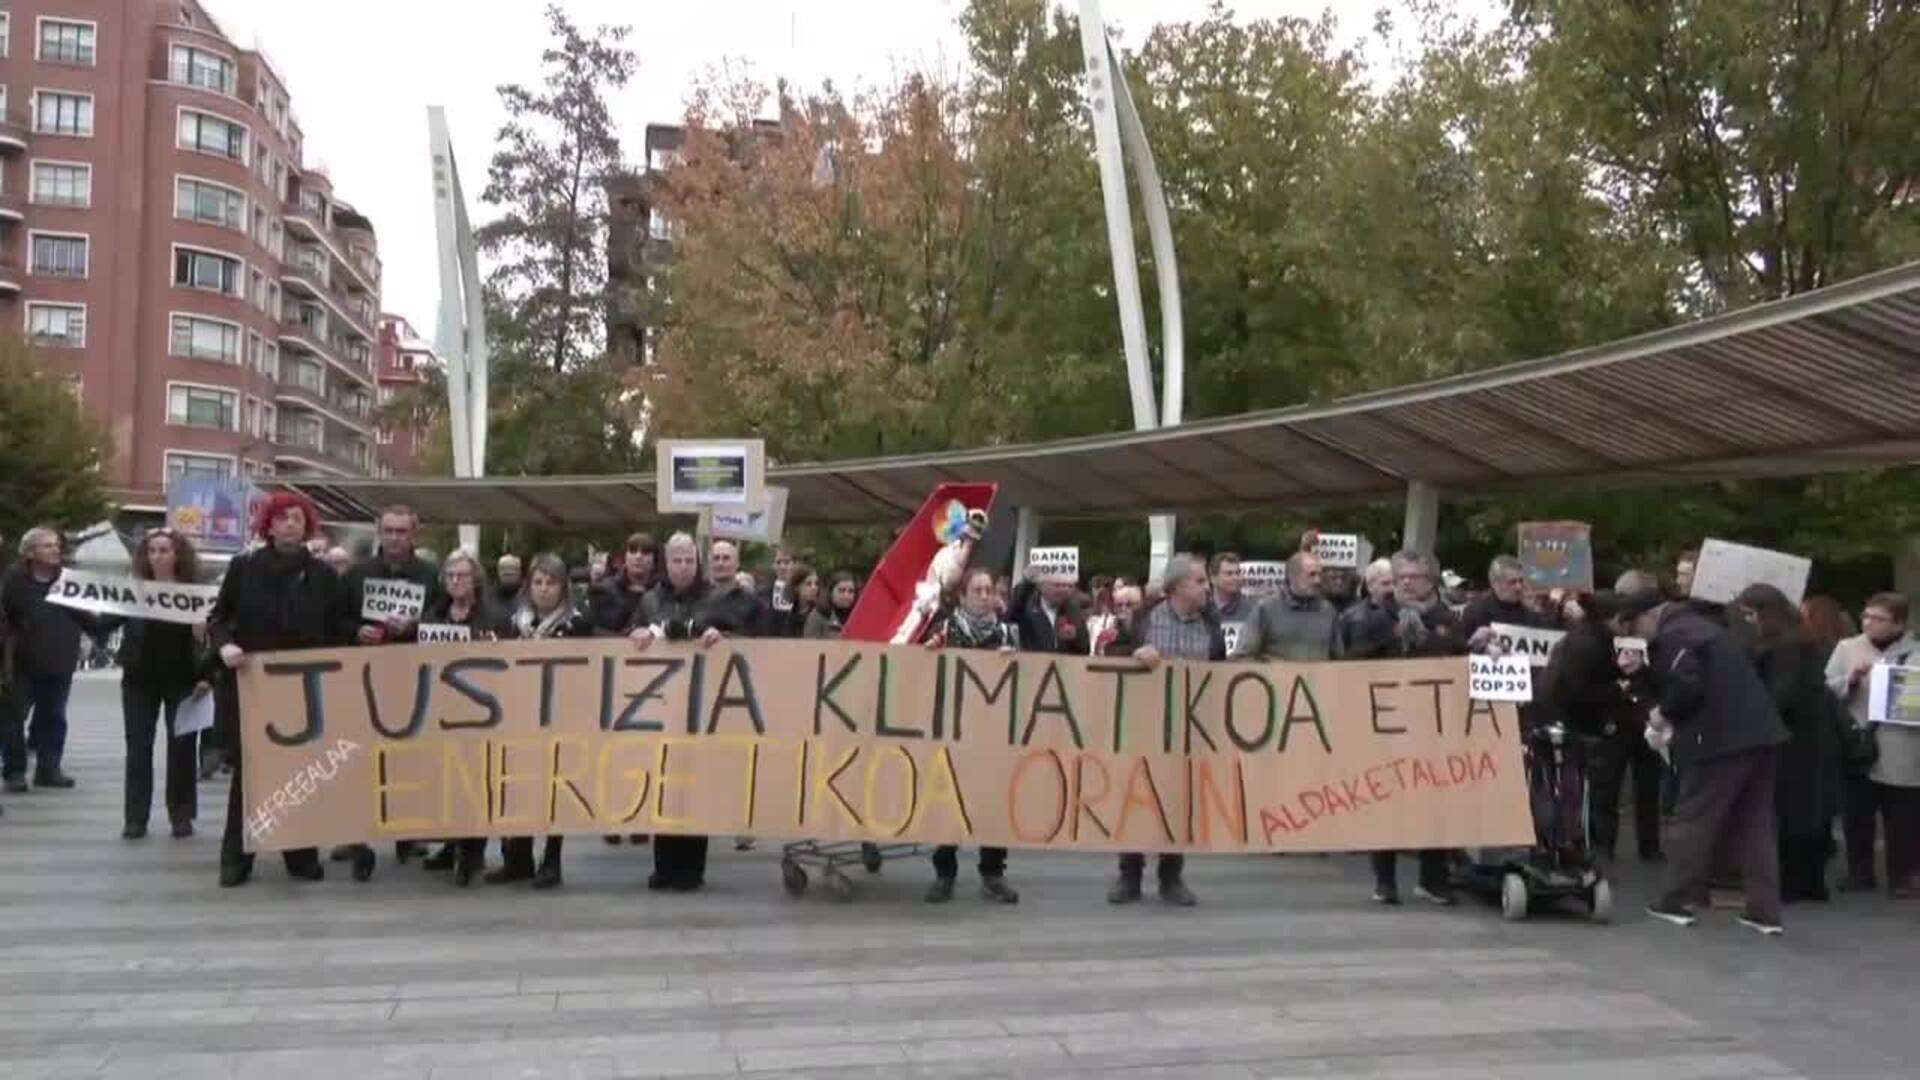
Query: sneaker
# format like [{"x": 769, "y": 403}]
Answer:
[
  {"x": 940, "y": 891},
  {"x": 1761, "y": 926},
  {"x": 1677, "y": 914},
  {"x": 1125, "y": 890},
  {"x": 1439, "y": 897},
  {"x": 995, "y": 888},
  {"x": 1175, "y": 892},
  {"x": 1389, "y": 897}
]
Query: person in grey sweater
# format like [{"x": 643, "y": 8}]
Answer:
[
  {"x": 1888, "y": 787},
  {"x": 1297, "y": 623}
]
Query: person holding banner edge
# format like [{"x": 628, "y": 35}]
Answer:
[
  {"x": 278, "y": 596},
  {"x": 161, "y": 666},
  {"x": 972, "y": 624},
  {"x": 393, "y": 560}
]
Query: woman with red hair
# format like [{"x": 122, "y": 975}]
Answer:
[{"x": 278, "y": 596}]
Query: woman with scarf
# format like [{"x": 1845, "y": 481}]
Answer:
[
  {"x": 161, "y": 666},
  {"x": 279, "y": 596},
  {"x": 464, "y": 601},
  {"x": 548, "y": 612},
  {"x": 830, "y": 618},
  {"x": 973, "y": 624},
  {"x": 1807, "y": 791}
]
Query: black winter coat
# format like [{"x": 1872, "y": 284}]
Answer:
[
  {"x": 274, "y": 600},
  {"x": 1041, "y": 634},
  {"x": 1581, "y": 684},
  {"x": 612, "y": 605},
  {"x": 415, "y": 569},
  {"x": 1807, "y": 793},
  {"x": 1708, "y": 689},
  {"x": 44, "y": 638}
]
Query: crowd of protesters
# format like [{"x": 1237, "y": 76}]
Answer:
[{"x": 1743, "y": 728}]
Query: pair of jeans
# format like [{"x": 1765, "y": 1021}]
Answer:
[
  {"x": 142, "y": 709},
  {"x": 946, "y": 861},
  {"x": 43, "y": 697},
  {"x": 1725, "y": 806}
]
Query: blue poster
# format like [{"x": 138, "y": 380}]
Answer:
[{"x": 216, "y": 514}]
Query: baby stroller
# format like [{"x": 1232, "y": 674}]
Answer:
[{"x": 1560, "y": 862}]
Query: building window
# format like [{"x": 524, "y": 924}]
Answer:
[
  {"x": 210, "y": 134},
  {"x": 63, "y": 114},
  {"x": 268, "y": 363},
  {"x": 65, "y": 42},
  {"x": 307, "y": 376},
  {"x": 56, "y": 255},
  {"x": 276, "y": 240},
  {"x": 202, "y": 406},
  {"x": 312, "y": 202},
  {"x": 6, "y": 35},
  {"x": 199, "y": 200},
  {"x": 207, "y": 70},
  {"x": 205, "y": 339},
  {"x": 59, "y": 325},
  {"x": 194, "y": 269},
  {"x": 61, "y": 184},
  {"x": 184, "y": 466}
]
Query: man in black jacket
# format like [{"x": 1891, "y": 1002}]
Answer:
[
  {"x": 45, "y": 641},
  {"x": 1048, "y": 617},
  {"x": 1504, "y": 602},
  {"x": 613, "y": 602},
  {"x": 394, "y": 560},
  {"x": 1724, "y": 736}
]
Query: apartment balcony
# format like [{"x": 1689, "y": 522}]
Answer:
[
  {"x": 13, "y": 132},
  {"x": 306, "y": 223},
  {"x": 310, "y": 335},
  {"x": 305, "y": 281},
  {"x": 9, "y": 277},
  {"x": 13, "y": 208}
]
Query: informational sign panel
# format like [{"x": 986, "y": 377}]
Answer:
[
  {"x": 698, "y": 474},
  {"x": 391, "y": 598},
  {"x": 1557, "y": 554},
  {"x": 215, "y": 514},
  {"x": 840, "y": 740},
  {"x": 1263, "y": 577},
  {"x": 1054, "y": 563},
  {"x": 1508, "y": 678},
  {"x": 1535, "y": 645},
  {"x": 443, "y": 633},
  {"x": 1725, "y": 569},
  {"x": 764, "y": 525},
  {"x": 1893, "y": 695},
  {"x": 113, "y": 594}
]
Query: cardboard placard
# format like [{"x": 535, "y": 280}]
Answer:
[
  {"x": 443, "y": 633},
  {"x": 839, "y": 740},
  {"x": 1893, "y": 695},
  {"x": 1342, "y": 550},
  {"x": 1509, "y": 678},
  {"x": 763, "y": 525},
  {"x": 114, "y": 594},
  {"x": 1726, "y": 568},
  {"x": 1263, "y": 577},
  {"x": 1055, "y": 563},
  {"x": 391, "y": 598},
  {"x": 1535, "y": 645},
  {"x": 1557, "y": 554},
  {"x": 696, "y": 474}
]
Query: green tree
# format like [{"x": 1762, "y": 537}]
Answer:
[{"x": 51, "y": 451}]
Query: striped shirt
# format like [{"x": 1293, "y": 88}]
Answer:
[{"x": 1176, "y": 638}]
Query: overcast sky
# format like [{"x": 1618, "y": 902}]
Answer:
[{"x": 362, "y": 73}]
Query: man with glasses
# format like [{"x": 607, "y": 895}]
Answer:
[
  {"x": 1886, "y": 788},
  {"x": 1504, "y": 602}
]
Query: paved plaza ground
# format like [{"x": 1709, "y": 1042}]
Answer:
[{"x": 125, "y": 960}]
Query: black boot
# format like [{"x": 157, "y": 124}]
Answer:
[
  {"x": 363, "y": 863},
  {"x": 940, "y": 891},
  {"x": 236, "y": 873},
  {"x": 548, "y": 876}
]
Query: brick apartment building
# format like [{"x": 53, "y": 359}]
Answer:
[
  {"x": 404, "y": 358},
  {"x": 164, "y": 247}
]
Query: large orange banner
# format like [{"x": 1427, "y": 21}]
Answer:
[{"x": 854, "y": 741}]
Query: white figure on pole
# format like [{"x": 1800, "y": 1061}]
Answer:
[
  {"x": 1118, "y": 136},
  {"x": 461, "y": 336}
]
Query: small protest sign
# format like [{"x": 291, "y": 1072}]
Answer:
[
  {"x": 764, "y": 525},
  {"x": 1557, "y": 554},
  {"x": 1535, "y": 645},
  {"x": 111, "y": 594},
  {"x": 1233, "y": 632},
  {"x": 1338, "y": 550},
  {"x": 1055, "y": 563},
  {"x": 391, "y": 598},
  {"x": 1726, "y": 568},
  {"x": 443, "y": 633},
  {"x": 1893, "y": 695},
  {"x": 1508, "y": 678},
  {"x": 1262, "y": 577},
  {"x": 694, "y": 474}
]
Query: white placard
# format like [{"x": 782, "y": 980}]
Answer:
[
  {"x": 391, "y": 598},
  {"x": 693, "y": 474},
  {"x": 1055, "y": 563},
  {"x": 443, "y": 633},
  {"x": 1263, "y": 577},
  {"x": 1893, "y": 695},
  {"x": 1535, "y": 645},
  {"x": 763, "y": 526},
  {"x": 1340, "y": 550},
  {"x": 194, "y": 715},
  {"x": 1624, "y": 647},
  {"x": 1232, "y": 632},
  {"x": 1510, "y": 678},
  {"x": 112, "y": 594},
  {"x": 1725, "y": 568}
]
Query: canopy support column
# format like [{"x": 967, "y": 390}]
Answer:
[
  {"x": 1423, "y": 517},
  {"x": 1026, "y": 536}
]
